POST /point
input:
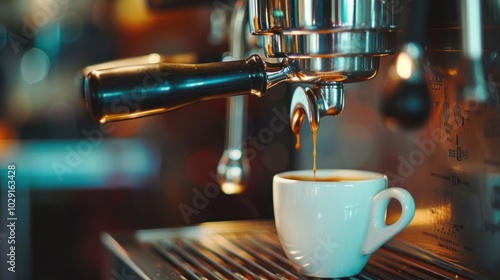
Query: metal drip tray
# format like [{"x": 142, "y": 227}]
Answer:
[{"x": 234, "y": 250}]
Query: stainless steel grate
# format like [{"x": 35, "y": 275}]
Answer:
[{"x": 250, "y": 250}]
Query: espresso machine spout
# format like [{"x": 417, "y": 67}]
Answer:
[
  {"x": 317, "y": 45},
  {"x": 326, "y": 98}
]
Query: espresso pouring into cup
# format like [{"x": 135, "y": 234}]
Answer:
[{"x": 319, "y": 70}]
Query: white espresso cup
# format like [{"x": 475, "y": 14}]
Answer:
[{"x": 331, "y": 226}]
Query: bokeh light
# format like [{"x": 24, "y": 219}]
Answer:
[{"x": 35, "y": 66}]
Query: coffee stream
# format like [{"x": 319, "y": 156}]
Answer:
[
  {"x": 315, "y": 137},
  {"x": 296, "y": 122}
]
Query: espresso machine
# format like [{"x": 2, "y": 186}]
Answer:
[{"x": 420, "y": 83}]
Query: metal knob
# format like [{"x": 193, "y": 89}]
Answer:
[{"x": 406, "y": 101}]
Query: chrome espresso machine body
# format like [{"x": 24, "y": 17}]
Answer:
[{"x": 434, "y": 129}]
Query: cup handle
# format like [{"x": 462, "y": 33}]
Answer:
[{"x": 379, "y": 232}]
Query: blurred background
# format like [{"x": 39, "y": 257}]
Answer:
[{"x": 76, "y": 178}]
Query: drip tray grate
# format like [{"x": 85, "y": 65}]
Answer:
[{"x": 238, "y": 250}]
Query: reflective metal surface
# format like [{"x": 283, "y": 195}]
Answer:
[
  {"x": 332, "y": 40},
  {"x": 324, "y": 99},
  {"x": 320, "y": 42},
  {"x": 336, "y": 40},
  {"x": 335, "y": 43},
  {"x": 240, "y": 250},
  {"x": 233, "y": 167},
  {"x": 309, "y": 16}
]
